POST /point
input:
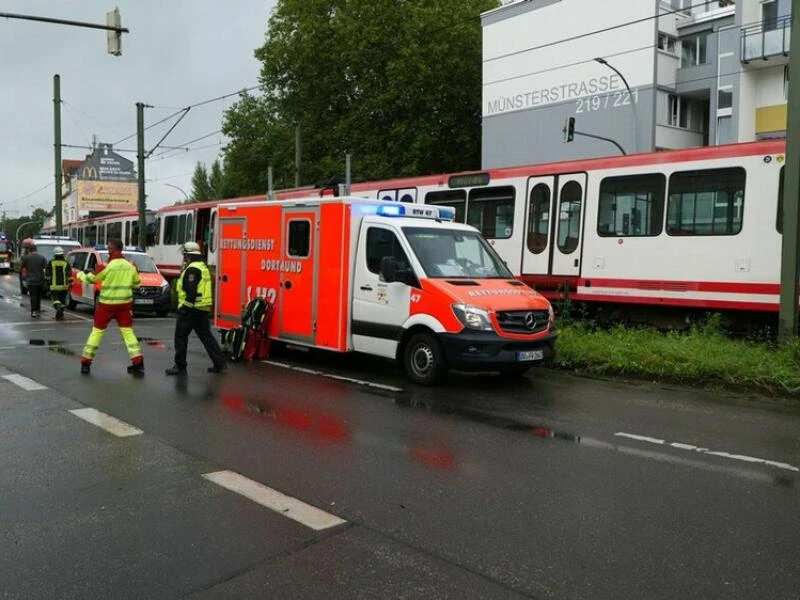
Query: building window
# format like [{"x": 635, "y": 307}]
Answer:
[
  {"x": 707, "y": 202},
  {"x": 631, "y": 206},
  {"x": 693, "y": 50},
  {"x": 724, "y": 99},
  {"x": 769, "y": 15},
  {"x": 667, "y": 43},
  {"x": 678, "y": 115}
]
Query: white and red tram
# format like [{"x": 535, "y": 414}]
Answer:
[{"x": 698, "y": 228}]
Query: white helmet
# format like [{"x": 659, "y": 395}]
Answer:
[
  {"x": 58, "y": 251},
  {"x": 191, "y": 248}
]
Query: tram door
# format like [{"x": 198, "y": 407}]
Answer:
[{"x": 553, "y": 242}]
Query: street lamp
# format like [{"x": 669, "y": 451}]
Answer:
[
  {"x": 185, "y": 195},
  {"x": 16, "y": 235},
  {"x": 603, "y": 61}
]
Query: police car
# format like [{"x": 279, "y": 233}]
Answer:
[{"x": 153, "y": 295}]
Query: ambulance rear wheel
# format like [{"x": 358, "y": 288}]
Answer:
[{"x": 423, "y": 359}]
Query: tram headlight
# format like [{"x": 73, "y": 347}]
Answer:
[{"x": 473, "y": 317}]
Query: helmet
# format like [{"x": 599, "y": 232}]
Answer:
[
  {"x": 191, "y": 248},
  {"x": 58, "y": 251}
]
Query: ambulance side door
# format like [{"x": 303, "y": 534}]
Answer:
[
  {"x": 379, "y": 308},
  {"x": 231, "y": 271},
  {"x": 297, "y": 296}
]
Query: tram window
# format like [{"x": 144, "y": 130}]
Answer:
[
  {"x": 299, "y": 238},
  {"x": 181, "y": 229},
  {"x": 779, "y": 218},
  {"x": 189, "y": 237},
  {"x": 114, "y": 230},
  {"x": 491, "y": 211},
  {"x": 570, "y": 204},
  {"x": 455, "y": 199},
  {"x": 91, "y": 235},
  {"x": 157, "y": 231},
  {"x": 707, "y": 202},
  {"x": 539, "y": 218},
  {"x": 212, "y": 232},
  {"x": 171, "y": 230},
  {"x": 631, "y": 206}
]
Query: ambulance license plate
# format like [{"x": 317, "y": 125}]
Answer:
[
  {"x": 143, "y": 301},
  {"x": 530, "y": 355}
]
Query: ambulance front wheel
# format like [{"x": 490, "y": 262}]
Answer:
[{"x": 423, "y": 359}]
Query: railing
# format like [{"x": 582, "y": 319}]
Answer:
[{"x": 769, "y": 38}]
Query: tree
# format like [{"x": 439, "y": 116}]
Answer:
[
  {"x": 217, "y": 182},
  {"x": 201, "y": 189},
  {"x": 395, "y": 83}
]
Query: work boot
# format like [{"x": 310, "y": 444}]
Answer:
[
  {"x": 175, "y": 371},
  {"x": 86, "y": 368},
  {"x": 216, "y": 369},
  {"x": 137, "y": 369},
  {"x": 59, "y": 313}
]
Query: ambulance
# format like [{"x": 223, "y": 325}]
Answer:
[{"x": 401, "y": 281}]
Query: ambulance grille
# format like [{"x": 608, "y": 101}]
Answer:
[
  {"x": 523, "y": 321},
  {"x": 148, "y": 291}
]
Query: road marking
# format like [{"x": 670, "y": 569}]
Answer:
[
  {"x": 380, "y": 386},
  {"x": 299, "y": 511},
  {"x": 700, "y": 450},
  {"x": 25, "y": 383},
  {"x": 107, "y": 422}
]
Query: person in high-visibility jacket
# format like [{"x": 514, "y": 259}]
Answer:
[
  {"x": 120, "y": 278},
  {"x": 194, "y": 307},
  {"x": 59, "y": 278}
]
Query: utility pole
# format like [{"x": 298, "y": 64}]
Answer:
[
  {"x": 140, "y": 156},
  {"x": 57, "y": 147},
  {"x": 790, "y": 268}
]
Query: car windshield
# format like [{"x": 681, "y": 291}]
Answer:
[
  {"x": 452, "y": 254},
  {"x": 143, "y": 262},
  {"x": 46, "y": 250}
]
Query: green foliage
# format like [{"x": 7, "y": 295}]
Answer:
[
  {"x": 201, "y": 188},
  {"x": 395, "y": 83},
  {"x": 702, "y": 355}
]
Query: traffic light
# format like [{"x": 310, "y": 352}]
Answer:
[
  {"x": 569, "y": 130},
  {"x": 114, "y": 35}
]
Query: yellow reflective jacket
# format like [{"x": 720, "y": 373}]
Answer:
[{"x": 119, "y": 279}]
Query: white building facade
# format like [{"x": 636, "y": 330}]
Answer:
[{"x": 635, "y": 75}]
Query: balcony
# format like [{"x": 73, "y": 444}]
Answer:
[{"x": 767, "y": 39}]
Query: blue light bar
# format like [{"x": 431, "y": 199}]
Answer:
[
  {"x": 447, "y": 213},
  {"x": 391, "y": 210}
]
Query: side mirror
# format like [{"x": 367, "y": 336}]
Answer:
[{"x": 388, "y": 269}]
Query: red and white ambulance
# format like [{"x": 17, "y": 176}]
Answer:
[{"x": 402, "y": 281}]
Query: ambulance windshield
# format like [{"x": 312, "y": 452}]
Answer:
[{"x": 453, "y": 254}]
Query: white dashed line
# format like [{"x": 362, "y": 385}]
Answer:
[
  {"x": 700, "y": 450},
  {"x": 363, "y": 382},
  {"x": 107, "y": 422},
  {"x": 24, "y": 382},
  {"x": 292, "y": 508}
]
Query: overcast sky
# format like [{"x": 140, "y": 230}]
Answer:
[{"x": 178, "y": 53}]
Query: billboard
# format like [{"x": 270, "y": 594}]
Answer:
[{"x": 107, "y": 196}]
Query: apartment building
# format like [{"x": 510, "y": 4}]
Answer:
[{"x": 635, "y": 75}]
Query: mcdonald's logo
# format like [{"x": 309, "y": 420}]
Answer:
[{"x": 89, "y": 172}]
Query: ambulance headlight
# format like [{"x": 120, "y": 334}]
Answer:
[{"x": 473, "y": 317}]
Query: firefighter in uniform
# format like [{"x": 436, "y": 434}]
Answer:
[
  {"x": 194, "y": 307},
  {"x": 119, "y": 279},
  {"x": 59, "y": 278}
]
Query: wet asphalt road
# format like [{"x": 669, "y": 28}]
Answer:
[{"x": 548, "y": 486}]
